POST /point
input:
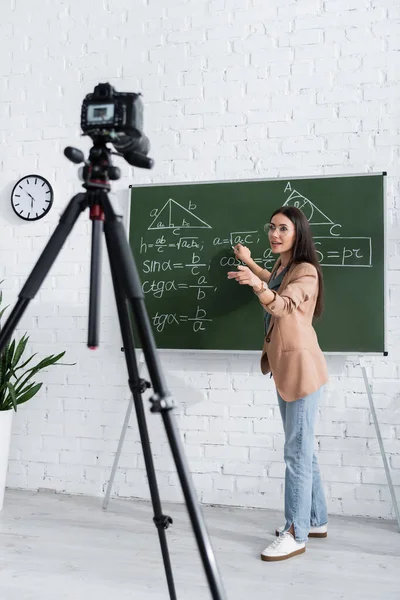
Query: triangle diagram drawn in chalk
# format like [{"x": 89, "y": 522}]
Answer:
[
  {"x": 314, "y": 215},
  {"x": 174, "y": 216}
]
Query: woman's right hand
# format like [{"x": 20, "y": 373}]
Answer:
[{"x": 242, "y": 253}]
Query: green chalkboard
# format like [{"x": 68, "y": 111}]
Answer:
[{"x": 182, "y": 237}]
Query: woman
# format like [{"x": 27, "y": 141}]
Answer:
[{"x": 291, "y": 295}]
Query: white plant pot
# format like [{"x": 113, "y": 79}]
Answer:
[{"x": 6, "y": 418}]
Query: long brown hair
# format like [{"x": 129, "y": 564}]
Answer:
[{"x": 304, "y": 248}]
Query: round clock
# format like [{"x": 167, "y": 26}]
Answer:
[{"x": 32, "y": 197}]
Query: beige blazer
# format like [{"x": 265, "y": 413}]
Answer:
[{"x": 291, "y": 350}]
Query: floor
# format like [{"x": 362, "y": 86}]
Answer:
[{"x": 59, "y": 547}]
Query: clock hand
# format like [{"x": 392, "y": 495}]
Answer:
[{"x": 30, "y": 195}]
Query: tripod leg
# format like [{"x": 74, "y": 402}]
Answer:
[
  {"x": 118, "y": 453},
  {"x": 94, "y": 288},
  {"x": 43, "y": 265},
  {"x": 380, "y": 441},
  {"x": 137, "y": 387},
  {"x": 119, "y": 448},
  {"x": 127, "y": 276}
]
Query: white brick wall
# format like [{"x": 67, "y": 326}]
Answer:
[{"x": 232, "y": 89}]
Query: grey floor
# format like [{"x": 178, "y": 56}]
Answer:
[{"x": 58, "y": 547}]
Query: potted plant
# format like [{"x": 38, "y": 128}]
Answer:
[{"x": 16, "y": 387}]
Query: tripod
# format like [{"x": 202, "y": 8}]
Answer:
[{"x": 97, "y": 172}]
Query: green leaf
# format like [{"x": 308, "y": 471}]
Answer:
[
  {"x": 4, "y": 363},
  {"x": 13, "y": 396},
  {"x": 7, "y": 406},
  {"x": 20, "y": 350},
  {"x": 25, "y": 390},
  {"x": 25, "y": 363},
  {"x": 25, "y": 377},
  {"x": 10, "y": 354},
  {"x": 47, "y": 362},
  {"x": 30, "y": 393},
  {"x": 28, "y": 387},
  {"x": 27, "y": 372}
]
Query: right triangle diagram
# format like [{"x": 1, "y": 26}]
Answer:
[
  {"x": 174, "y": 216},
  {"x": 314, "y": 215}
]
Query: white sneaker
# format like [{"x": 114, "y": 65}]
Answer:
[
  {"x": 315, "y": 532},
  {"x": 285, "y": 546}
]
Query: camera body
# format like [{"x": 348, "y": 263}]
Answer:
[
  {"x": 116, "y": 117},
  {"x": 107, "y": 110}
]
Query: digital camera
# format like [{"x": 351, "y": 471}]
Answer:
[{"x": 115, "y": 117}]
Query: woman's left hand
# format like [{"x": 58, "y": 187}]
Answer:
[{"x": 245, "y": 277}]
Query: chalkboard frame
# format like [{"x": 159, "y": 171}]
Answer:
[{"x": 194, "y": 351}]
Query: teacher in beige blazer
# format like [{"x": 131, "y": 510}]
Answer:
[{"x": 291, "y": 296}]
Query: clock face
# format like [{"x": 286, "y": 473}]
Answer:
[{"x": 32, "y": 197}]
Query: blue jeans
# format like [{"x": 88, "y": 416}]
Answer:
[{"x": 305, "y": 502}]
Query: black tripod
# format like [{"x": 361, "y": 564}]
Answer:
[{"x": 128, "y": 294}]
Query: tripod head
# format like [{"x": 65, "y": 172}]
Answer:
[{"x": 98, "y": 170}]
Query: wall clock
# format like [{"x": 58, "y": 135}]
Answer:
[{"x": 32, "y": 197}]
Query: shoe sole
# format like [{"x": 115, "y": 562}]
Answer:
[
  {"x": 310, "y": 535},
  {"x": 277, "y": 558}
]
